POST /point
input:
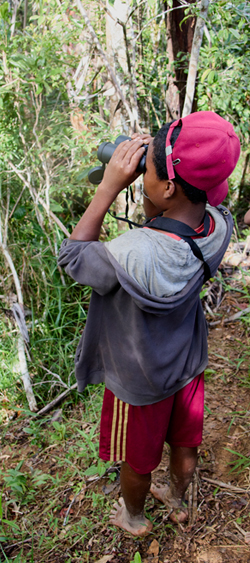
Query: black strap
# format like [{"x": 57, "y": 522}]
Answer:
[
  {"x": 172, "y": 226},
  {"x": 129, "y": 191},
  {"x": 184, "y": 232}
]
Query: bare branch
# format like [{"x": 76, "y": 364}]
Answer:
[
  {"x": 39, "y": 199},
  {"x": 58, "y": 399},
  {"x": 105, "y": 60},
  {"x": 20, "y": 344}
]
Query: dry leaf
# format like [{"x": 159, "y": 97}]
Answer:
[
  {"x": 107, "y": 489},
  {"x": 105, "y": 559},
  {"x": 154, "y": 548},
  {"x": 210, "y": 556},
  {"x": 63, "y": 512},
  {"x": 78, "y": 497}
]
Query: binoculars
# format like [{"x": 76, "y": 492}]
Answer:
[{"x": 104, "y": 154}]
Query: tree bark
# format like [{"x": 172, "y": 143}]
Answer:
[
  {"x": 193, "y": 63},
  {"x": 179, "y": 40}
]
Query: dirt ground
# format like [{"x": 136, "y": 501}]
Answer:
[{"x": 218, "y": 530}]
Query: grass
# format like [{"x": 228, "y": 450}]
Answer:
[{"x": 53, "y": 476}]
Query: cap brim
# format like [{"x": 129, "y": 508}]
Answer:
[{"x": 216, "y": 195}]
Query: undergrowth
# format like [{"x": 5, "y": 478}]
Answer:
[{"x": 58, "y": 464}]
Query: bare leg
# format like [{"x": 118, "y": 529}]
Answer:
[
  {"x": 182, "y": 466},
  {"x": 129, "y": 513}
]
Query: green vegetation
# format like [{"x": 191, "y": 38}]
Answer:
[{"x": 57, "y": 104}]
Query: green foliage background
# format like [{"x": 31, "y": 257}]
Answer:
[{"x": 44, "y": 158}]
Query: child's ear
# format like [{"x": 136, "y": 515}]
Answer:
[{"x": 170, "y": 189}]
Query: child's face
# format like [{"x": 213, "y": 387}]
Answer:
[{"x": 153, "y": 187}]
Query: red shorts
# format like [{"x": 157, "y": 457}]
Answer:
[{"x": 137, "y": 434}]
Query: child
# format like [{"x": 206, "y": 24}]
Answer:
[{"x": 145, "y": 334}]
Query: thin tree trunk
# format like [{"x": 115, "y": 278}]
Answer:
[
  {"x": 179, "y": 40},
  {"x": 243, "y": 175},
  {"x": 13, "y": 19},
  {"x": 193, "y": 64},
  {"x": 105, "y": 60},
  {"x": 20, "y": 345}
]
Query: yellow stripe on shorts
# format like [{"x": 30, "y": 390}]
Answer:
[{"x": 119, "y": 453}]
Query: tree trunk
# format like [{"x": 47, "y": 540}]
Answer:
[
  {"x": 179, "y": 40},
  {"x": 193, "y": 63}
]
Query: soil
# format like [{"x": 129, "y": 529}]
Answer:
[{"x": 219, "y": 498}]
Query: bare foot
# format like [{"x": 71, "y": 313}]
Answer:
[
  {"x": 179, "y": 512},
  {"x": 138, "y": 526}
]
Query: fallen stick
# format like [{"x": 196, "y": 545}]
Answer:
[
  {"x": 236, "y": 316},
  {"x": 226, "y": 485},
  {"x": 55, "y": 401}
]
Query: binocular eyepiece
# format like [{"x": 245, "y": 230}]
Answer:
[{"x": 104, "y": 154}]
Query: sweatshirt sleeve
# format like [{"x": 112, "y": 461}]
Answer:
[{"x": 88, "y": 264}]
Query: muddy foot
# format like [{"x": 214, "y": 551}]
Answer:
[
  {"x": 179, "y": 512},
  {"x": 137, "y": 526}
]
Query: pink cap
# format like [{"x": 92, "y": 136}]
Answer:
[{"x": 205, "y": 153}]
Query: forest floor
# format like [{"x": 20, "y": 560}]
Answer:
[{"x": 56, "y": 496}]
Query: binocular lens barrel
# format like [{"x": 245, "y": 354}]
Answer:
[
  {"x": 106, "y": 149},
  {"x": 104, "y": 154}
]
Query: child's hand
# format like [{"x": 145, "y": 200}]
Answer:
[
  {"x": 146, "y": 137},
  {"x": 121, "y": 169}
]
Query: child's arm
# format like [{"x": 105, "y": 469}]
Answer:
[{"x": 120, "y": 173}]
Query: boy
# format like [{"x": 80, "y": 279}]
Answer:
[{"x": 146, "y": 334}]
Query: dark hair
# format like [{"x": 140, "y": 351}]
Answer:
[{"x": 159, "y": 159}]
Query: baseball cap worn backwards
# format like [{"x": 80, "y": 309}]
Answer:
[{"x": 204, "y": 154}]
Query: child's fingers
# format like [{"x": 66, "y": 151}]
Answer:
[
  {"x": 126, "y": 150},
  {"x": 146, "y": 137}
]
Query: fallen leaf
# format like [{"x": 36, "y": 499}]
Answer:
[
  {"x": 105, "y": 559},
  {"x": 154, "y": 548},
  {"x": 79, "y": 497},
  {"x": 107, "y": 489},
  {"x": 63, "y": 512},
  {"x": 209, "y": 556}
]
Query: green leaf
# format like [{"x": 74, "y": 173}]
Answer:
[
  {"x": 210, "y": 77},
  {"x": 39, "y": 89},
  {"x": 137, "y": 557},
  {"x": 56, "y": 207},
  {"x": 235, "y": 33},
  {"x": 4, "y": 11},
  {"x": 92, "y": 470},
  {"x": 19, "y": 212},
  {"x": 20, "y": 61},
  {"x": 112, "y": 2},
  {"x": 205, "y": 74},
  {"x": 11, "y": 524}
]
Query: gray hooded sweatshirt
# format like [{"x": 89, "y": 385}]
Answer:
[{"x": 145, "y": 334}]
